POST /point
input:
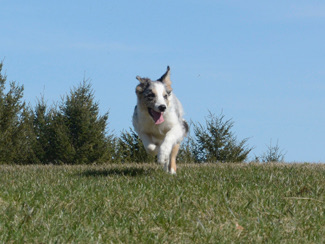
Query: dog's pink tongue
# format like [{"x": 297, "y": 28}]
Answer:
[{"x": 157, "y": 117}]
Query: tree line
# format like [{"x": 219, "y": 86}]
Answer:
[{"x": 75, "y": 132}]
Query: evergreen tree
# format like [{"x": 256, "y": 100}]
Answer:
[
  {"x": 272, "y": 154},
  {"x": 78, "y": 131},
  {"x": 44, "y": 133},
  {"x": 215, "y": 141},
  {"x": 15, "y": 126},
  {"x": 24, "y": 152},
  {"x": 131, "y": 149}
]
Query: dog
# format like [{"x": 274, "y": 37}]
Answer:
[{"x": 158, "y": 119}]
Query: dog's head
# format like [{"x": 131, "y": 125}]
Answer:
[{"x": 155, "y": 95}]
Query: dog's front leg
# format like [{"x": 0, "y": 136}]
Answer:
[
  {"x": 149, "y": 145},
  {"x": 173, "y": 137}
]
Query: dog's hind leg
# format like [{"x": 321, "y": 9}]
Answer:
[{"x": 173, "y": 155}]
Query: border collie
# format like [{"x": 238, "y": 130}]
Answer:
[{"x": 158, "y": 119}]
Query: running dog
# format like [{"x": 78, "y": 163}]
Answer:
[{"x": 158, "y": 119}]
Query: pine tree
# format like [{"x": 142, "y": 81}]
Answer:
[
  {"x": 43, "y": 133},
  {"x": 131, "y": 149},
  {"x": 272, "y": 154},
  {"x": 15, "y": 126},
  {"x": 79, "y": 132},
  {"x": 215, "y": 142},
  {"x": 24, "y": 149}
]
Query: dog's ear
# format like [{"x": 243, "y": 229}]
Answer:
[
  {"x": 142, "y": 80},
  {"x": 143, "y": 83},
  {"x": 165, "y": 78}
]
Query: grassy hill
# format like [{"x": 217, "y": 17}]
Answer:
[{"x": 139, "y": 203}]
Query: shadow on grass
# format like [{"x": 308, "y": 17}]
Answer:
[{"x": 133, "y": 172}]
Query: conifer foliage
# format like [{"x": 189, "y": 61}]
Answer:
[
  {"x": 42, "y": 144},
  {"x": 131, "y": 149},
  {"x": 215, "y": 142},
  {"x": 73, "y": 132},
  {"x": 15, "y": 130},
  {"x": 80, "y": 128}
]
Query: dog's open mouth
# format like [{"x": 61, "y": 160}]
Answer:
[{"x": 156, "y": 116}]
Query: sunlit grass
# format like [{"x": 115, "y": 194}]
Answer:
[{"x": 137, "y": 203}]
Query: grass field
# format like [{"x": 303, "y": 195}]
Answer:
[{"x": 129, "y": 203}]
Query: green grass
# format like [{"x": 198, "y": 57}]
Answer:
[{"x": 212, "y": 203}]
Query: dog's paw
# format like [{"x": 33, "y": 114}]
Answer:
[
  {"x": 172, "y": 171},
  {"x": 169, "y": 170},
  {"x": 152, "y": 149},
  {"x": 163, "y": 159}
]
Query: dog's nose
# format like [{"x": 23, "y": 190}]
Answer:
[{"x": 162, "y": 108}]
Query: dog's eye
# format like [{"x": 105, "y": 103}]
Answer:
[
  {"x": 151, "y": 95},
  {"x": 166, "y": 97}
]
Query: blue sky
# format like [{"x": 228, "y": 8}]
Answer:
[{"x": 260, "y": 62}]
